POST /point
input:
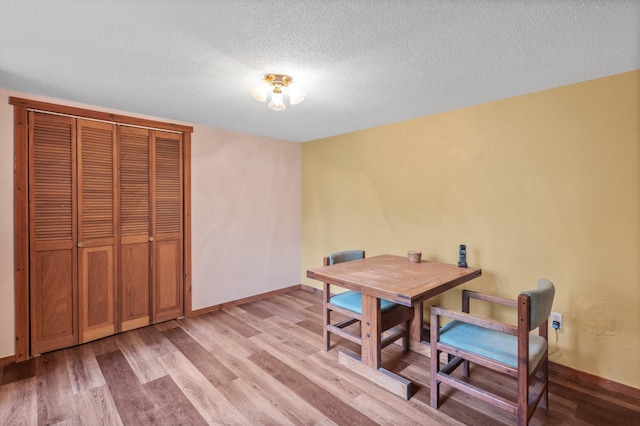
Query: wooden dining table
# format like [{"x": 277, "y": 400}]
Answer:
[{"x": 396, "y": 279}]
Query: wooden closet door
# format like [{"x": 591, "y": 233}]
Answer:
[
  {"x": 167, "y": 283},
  {"x": 97, "y": 223},
  {"x": 52, "y": 215},
  {"x": 135, "y": 218}
]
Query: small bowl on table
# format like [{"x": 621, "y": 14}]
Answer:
[{"x": 414, "y": 256}]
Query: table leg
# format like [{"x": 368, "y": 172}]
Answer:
[
  {"x": 415, "y": 333},
  {"x": 416, "y": 343},
  {"x": 370, "y": 331},
  {"x": 369, "y": 364}
]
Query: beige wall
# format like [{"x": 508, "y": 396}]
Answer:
[
  {"x": 245, "y": 215},
  {"x": 545, "y": 184}
]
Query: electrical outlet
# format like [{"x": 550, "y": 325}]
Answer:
[{"x": 556, "y": 320}]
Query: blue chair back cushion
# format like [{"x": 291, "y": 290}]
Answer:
[
  {"x": 345, "y": 256},
  {"x": 540, "y": 302},
  {"x": 352, "y": 301},
  {"x": 491, "y": 344}
]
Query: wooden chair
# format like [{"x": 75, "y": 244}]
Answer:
[
  {"x": 505, "y": 348},
  {"x": 349, "y": 303}
]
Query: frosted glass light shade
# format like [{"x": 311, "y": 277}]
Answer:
[
  {"x": 296, "y": 94},
  {"x": 260, "y": 91},
  {"x": 276, "y": 103}
]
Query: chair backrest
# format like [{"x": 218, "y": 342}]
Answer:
[
  {"x": 345, "y": 256},
  {"x": 540, "y": 302}
]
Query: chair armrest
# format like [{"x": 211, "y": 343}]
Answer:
[
  {"x": 468, "y": 294},
  {"x": 470, "y": 319}
]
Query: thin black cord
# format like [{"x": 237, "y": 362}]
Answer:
[{"x": 557, "y": 345}]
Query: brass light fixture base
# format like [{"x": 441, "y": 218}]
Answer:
[{"x": 278, "y": 80}]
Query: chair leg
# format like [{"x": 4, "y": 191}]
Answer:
[
  {"x": 523, "y": 398},
  {"x": 465, "y": 368},
  {"x": 326, "y": 338},
  {"x": 405, "y": 338},
  {"x": 435, "y": 384},
  {"x": 544, "y": 373},
  {"x": 435, "y": 360},
  {"x": 326, "y": 314}
]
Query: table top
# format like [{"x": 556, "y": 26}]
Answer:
[{"x": 395, "y": 278}]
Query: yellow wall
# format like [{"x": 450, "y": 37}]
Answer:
[{"x": 544, "y": 184}]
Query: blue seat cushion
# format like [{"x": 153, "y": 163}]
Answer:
[
  {"x": 352, "y": 301},
  {"x": 491, "y": 344}
]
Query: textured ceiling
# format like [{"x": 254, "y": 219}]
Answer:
[{"x": 363, "y": 63}]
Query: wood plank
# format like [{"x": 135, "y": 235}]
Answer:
[
  {"x": 320, "y": 369},
  {"x": 239, "y": 326},
  {"x": 312, "y": 326},
  {"x": 172, "y": 405},
  {"x": 83, "y": 368},
  {"x": 18, "y": 402},
  {"x": 257, "y": 409},
  {"x": 140, "y": 358},
  {"x": 202, "y": 359},
  {"x": 305, "y": 295},
  {"x": 15, "y": 372},
  {"x": 206, "y": 398},
  {"x": 385, "y": 413},
  {"x": 198, "y": 328},
  {"x": 155, "y": 342},
  {"x": 347, "y": 386},
  {"x": 291, "y": 405},
  {"x": 382, "y": 377},
  {"x": 254, "y": 309},
  {"x": 321, "y": 399},
  {"x": 131, "y": 399},
  {"x": 277, "y": 308},
  {"x": 97, "y": 404},
  {"x": 53, "y": 389},
  {"x": 167, "y": 325},
  {"x": 102, "y": 346},
  {"x": 272, "y": 332},
  {"x": 294, "y": 330}
]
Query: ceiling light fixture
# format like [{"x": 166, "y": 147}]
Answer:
[{"x": 278, "y": 84}]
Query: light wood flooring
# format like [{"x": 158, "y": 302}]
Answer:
[{"x": 260, "y": 363}]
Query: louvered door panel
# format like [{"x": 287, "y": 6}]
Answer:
[
  {"x": 168, "y": 191},
  {"x": 167, "y": 197},
  {"x": 52, "y": 210},
  {"x": 97, "y": 222},
  {"x": 135, "y": 217},
  {"x": 134, "y": 181}
]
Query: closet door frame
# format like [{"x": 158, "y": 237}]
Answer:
[{"x": 21, "y": 219}]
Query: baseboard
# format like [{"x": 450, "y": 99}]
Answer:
[
  {"x": 593, "y": 382},
  {"x": 311, "y": 289},
  {"x": 7, "y": 360},
  {"x": 214, "y": 308}
]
